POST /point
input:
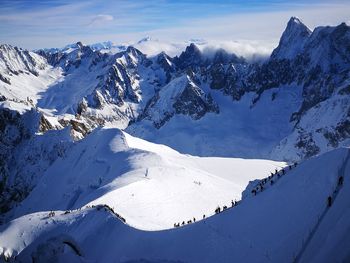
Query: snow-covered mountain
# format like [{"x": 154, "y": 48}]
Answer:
[
  {"x": 273, "y": 226},
  {"x": 147, "y": 45},
  {"x": 159, "y": 139}
]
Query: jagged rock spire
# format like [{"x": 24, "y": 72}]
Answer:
[{"x": 293, "y": 39}]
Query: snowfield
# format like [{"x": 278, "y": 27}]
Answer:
[
  {"x": 257, "y": 230},
  {"x": 152, "y": 186}
]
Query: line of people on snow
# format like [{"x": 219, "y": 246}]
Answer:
[
  {"x": 110, "y": 209},
  {"x": 217, "y": 211},
  {"x": 98, "y": 208},
  {"x": 340, "y": 184},
  {"x": 262, "y": 184}
]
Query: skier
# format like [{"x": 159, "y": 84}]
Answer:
[
  {"x": 272, "y": 182},
  {"x": 340, "y": 180},
  {"x": 203, "y": 216},
  {"x": 329, "y": 201},
  {"x": 194, "y": 220}
]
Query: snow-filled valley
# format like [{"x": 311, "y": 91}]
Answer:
[{"x": 109, "y": 154}]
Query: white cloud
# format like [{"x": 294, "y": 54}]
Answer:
[
  {"x": 250, "y": 50},
  {"x": 99, "y": 20}
]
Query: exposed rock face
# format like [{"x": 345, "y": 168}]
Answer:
[
  {"x": 191, "y": 57},
  {"x": 307, "y": 144},
  {"x": 194, "y": 103},
  {"x": 167, "y": 64},
  {"x": 24, "y": 154},
  {"x": 181, "y": 96},
  {"x": 15, "y": 61}
]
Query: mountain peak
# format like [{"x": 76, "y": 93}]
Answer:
[
  {"x": 295, "y": 24},
  {"x": 192, "y": 56},
  {"x": 295, "y": 20},
  {"x": 79, "y": 44},
  {"x": 193, "y": 48},
  {"x": 145, "y": 39},
  {"x": 293, "y": 39}
]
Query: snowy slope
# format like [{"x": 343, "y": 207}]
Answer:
[
  {"x": 151, "y": 186},
  {"x": 269, "y": 227},
  {"x": 25, "y": 75}
]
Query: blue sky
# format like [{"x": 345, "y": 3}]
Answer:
[{"x": 45, "y": 23}]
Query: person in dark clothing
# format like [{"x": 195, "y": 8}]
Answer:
[
  {"x": 295, "y": 164},
  {"x": 272, "y": 182},
  {"x": 283, "y": 172},
  {"x": 203, "y": 216},
  {"x": 225, "y": 207},
  {"x": 183, "y": 223},
  {"x": 340, "y": 180},
  {"x": 194, "y": 219},
  {"x": 329, "y": 201}
]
